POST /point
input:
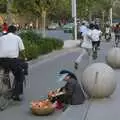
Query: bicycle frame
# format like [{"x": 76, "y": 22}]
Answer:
[{"x": 95, "y": 47}]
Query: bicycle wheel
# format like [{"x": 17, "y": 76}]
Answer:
[
  {"x": 94, "y": 55},
  {"x": 5, "y": 87}
]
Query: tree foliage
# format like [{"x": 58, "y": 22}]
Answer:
[{"x": 57, "y": 9}]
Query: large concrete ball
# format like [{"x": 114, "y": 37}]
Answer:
[
  {"x": 113, "y": 57},
  {"x": 98, "y": 80}
]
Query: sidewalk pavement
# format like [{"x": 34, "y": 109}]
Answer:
[
  {"x": 71, "y": 43},
  {"x": 69, "y": 46},
  {"x": 97, "y": 109}
]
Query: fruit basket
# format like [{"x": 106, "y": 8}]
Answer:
[{"x": 42, "y": 107}]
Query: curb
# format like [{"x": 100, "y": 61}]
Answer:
[
  {"x": 53, "y": 55},
  {"x": 71, "y": 43}
]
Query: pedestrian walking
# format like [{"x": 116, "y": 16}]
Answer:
[
  {"x": 95, "y": 36},
  {"x": 117, "y": 34},
  {"x": 86, "y": 45}
]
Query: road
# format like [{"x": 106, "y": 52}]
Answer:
[
  {"x": 59, "y": 34},
  {"x": 42, "y": 76}
]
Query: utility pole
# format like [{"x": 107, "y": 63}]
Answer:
[{"x": 74, "y": 15}]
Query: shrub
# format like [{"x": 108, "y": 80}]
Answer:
[
  {"x": 31, "y": 50},
  {"x": 54, "y": 43},
  {"x": 30, "y": 36},
  {"x": 35, "y": 45}
]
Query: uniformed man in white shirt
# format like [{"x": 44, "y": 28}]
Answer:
[{"x": 10, "y": 47}]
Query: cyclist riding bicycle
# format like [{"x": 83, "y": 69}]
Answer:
[
  {"x": 11, "y": 46},
  {"x": 95, "y": 36}
]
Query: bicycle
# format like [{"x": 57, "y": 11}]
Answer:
[
  {"x": 108, "y": 37},
  {"x": 94, "y": 50},
  {"x": 6, "y": 85}
]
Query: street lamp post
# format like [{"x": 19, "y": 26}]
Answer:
[{"x": 74, "y": 15}]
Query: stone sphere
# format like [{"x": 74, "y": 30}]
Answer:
[
  {"x": 98, "y": 80},
  {"x": 113, "y": 57}
]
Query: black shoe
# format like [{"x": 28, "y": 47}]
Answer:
[
  {"x": 76, "y": 66},
  {"x": 16, "y": 98}
]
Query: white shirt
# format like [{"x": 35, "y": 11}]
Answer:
[
  {"x": 95, "y": 34},
  {"x": 87, "y": 43},
  {"x": 83, "y": 29},
  {"x": 10, "y": 45},
  {"x": 107, "y": 30}
]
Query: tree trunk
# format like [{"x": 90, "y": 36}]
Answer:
[
  {"x": 103, "y": 19},
  {"x": 90, "y": 16},
  {"x": 43, "y": 23},
  {"x": 9, "y": 17},
  {"x": 37, "y": 23},
  {"x": 111, "y": 16}
]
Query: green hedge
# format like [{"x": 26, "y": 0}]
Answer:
[{"x": 36, "y": 45}]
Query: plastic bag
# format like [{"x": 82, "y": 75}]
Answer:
[{"x": 87, "y": 43}]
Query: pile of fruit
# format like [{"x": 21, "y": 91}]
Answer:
[
  {"x": 51, "y": 94},
  {"x": 42, "y": 107},
  {"x": 56, "y": 95},
  {"x": 57, "y": 92}
]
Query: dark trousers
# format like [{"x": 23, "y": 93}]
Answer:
[
  {"x": 15, "y": 65},
  {"x": 95, "y": 44}
]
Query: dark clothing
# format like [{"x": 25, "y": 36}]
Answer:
[
  {"x": 117, "y": 30},
  {"x": 74, "y": 94},
  {"x": 95, "y": 43},
  {"x": 117, "y": 35},
  {"x": 24, "y": 66},
  {"x": 16, "y": 66}
]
